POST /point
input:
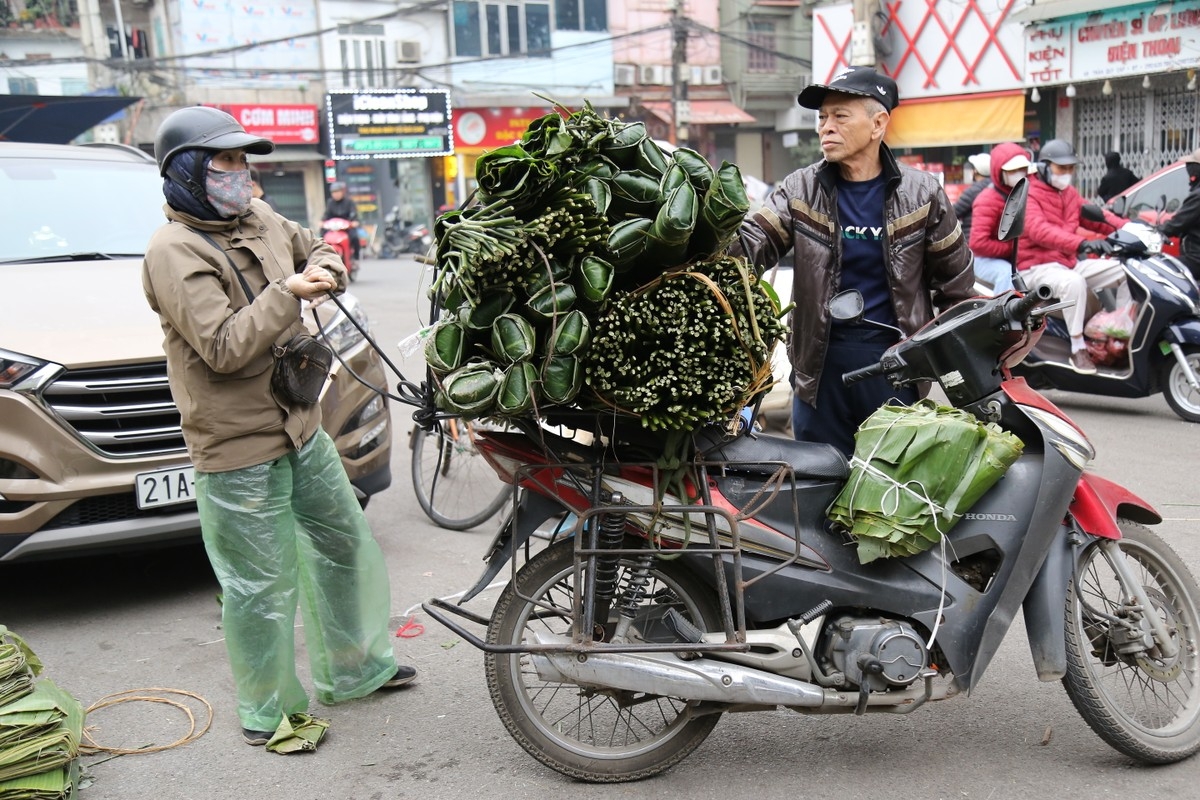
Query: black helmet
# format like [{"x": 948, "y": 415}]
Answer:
[
  {"x": 1058, "y": 152},
  {"x": 205, "y": 128}
]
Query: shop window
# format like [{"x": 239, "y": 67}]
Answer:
[
  {"x": 500, "y": 29},
  {"x": 761, "y": 56},
  {"x": 22, "y": 86},
  {"x": 581, "y": 15}
]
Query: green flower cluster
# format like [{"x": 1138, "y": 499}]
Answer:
[{"x": 689, "y": 348}]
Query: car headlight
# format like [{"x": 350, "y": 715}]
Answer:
[
  {"x": 341, "y": 333},
  {"x": 15, "y": 369}
]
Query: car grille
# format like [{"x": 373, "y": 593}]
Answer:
[
  {"x": 120, "y": 411},
  {"x": 110, "y": 508}
]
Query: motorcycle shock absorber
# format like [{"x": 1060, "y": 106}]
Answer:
[
  {"x": 610, "y": 534},
  {"x": 632, "y": 594}
]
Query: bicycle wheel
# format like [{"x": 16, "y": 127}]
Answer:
[{"x": 454, "y": 485}]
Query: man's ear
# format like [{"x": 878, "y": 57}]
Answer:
[{"x": 879, "y": 124}]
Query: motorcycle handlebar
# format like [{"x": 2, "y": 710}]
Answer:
[
  {"x": 861, "y": 374},
  {"x": 1019, "y": 309}
]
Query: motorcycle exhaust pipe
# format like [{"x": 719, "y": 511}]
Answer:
[
  {"x": 665, "y": 674},
  {"x": 712, "y": 680}
]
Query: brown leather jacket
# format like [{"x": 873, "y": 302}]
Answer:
[
  {"x": 925, "y": 254},
  {"x": 218, "y": 344}
]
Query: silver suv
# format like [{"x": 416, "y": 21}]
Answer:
[{"x": 91, "y": 454}]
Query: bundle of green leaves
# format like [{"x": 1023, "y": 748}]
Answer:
[{"x": 584, "y": 220}]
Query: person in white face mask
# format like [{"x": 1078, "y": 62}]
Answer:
[
  {"x": 1054, "y": 253},
  {"x": 280, "y": 522},
  {"x": 1009, "y": 163}
]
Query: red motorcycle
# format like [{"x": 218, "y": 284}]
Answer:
[
  {"x": 666, "y": 602},
  {"x": 336, "y": 232}
]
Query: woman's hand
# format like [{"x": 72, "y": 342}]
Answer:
[{"x": 314, "y": 282}]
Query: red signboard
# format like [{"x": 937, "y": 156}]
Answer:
[
  {"x": 480, "y": 129},
  {"x": 293, "y": 124}
]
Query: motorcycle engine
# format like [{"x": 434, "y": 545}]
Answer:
[{"x": 874, "y": 652}]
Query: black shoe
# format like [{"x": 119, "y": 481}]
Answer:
[
  {"x": 403, "y": 677},
  {"x": 256, "y": 738}
]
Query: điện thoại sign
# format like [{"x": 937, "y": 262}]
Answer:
[
  {"x": 1121, "y": 42},
  {"x": 400, "y": 123}
]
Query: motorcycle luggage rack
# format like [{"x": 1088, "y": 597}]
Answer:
[{"x": 588, "y": 551}]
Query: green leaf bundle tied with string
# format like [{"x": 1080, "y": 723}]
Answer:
[{"x": 916, "y": 470}]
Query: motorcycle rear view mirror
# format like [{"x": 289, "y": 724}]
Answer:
[
  {"x": 1012, "y": 218},
  {"x": 847, "y": 306},
  {"x": 1092, "y": 213},
  {"x": 1118, "y": 205}
]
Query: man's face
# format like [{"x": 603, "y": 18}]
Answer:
[
  {"x": 1062, "y": 169},
  {"x": 847, "y": 128},
  {"x": 337, "y": 194}
]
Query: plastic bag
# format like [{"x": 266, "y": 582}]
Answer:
[
  {"x": 1116, "y": 324},
  {"x": 1107, "y": 336}
]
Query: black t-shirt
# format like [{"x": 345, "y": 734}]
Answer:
[{"x": 860, "y": 215}]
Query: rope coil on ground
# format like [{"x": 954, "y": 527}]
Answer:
[{"x": 90, "y": 746}]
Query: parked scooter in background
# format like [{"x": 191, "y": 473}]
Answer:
[
  {"x": 336, "y": 232},
  {"x": 401, "y": 236},
  {"x": 1162, "y": 352}
]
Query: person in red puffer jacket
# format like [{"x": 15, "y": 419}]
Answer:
[
  {"x": 1053, "y": 253},
  {"x": 993, "y": 258}
]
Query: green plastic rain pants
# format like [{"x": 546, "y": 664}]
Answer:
[{"x": 291, "y": 531}]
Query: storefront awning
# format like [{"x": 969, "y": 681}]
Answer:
[
  {"x": 284, "y": 154},
  {"x": 54, "y": 119},
  {"x": 1038, "y": 10},
  {"x": 944, "y": 121},
  {"x": 704, "y": 112}
]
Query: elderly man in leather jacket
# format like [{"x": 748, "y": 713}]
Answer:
[{"x": 856, "y": 220}]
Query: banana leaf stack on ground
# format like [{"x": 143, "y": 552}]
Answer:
[
  {"x": 916, "y": 470},
  {"x": 591, "y": 252},
  {"x": 40, "y": 729}
]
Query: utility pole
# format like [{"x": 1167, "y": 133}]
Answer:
[{"x": 680, "y": 107}]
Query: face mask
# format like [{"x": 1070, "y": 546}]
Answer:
[
  {"x": 1062, "y": 181},
  {"x": 1011, "y": 179},
  {"x": 229, "y": 192},
  {"x": 1193, "y": 172}
]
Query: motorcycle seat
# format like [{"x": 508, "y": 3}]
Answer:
[{"x": 760, "y": 454}]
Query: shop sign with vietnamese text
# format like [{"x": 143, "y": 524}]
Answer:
[
  {"x": 480, "y": 129},
  {"x": 1112, "y": 44},
  {"x": 406, "y": 123},
  {"x": 282, "y": 124}
]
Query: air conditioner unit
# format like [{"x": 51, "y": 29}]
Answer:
[
  {"x": 712, "y": 75},
  {"x": 695, "y": 75},
  {"x": 653, "y": 74},
  {"x": 408, "y": 51},
  {"x": 624, "y": 74}
]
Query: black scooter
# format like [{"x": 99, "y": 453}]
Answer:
[{"x": 1164, "y": 349}]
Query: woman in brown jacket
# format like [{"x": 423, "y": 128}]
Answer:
[{"x": 279, "y": 519}]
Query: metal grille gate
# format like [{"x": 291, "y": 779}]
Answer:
[{"x": 1149, "y": 129}]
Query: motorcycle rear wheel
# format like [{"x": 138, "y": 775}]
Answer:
[
  {"x": 590, "y": 735},
  {"x": 1181, "y": 397},
  {"x": 1144, "y": 705}
]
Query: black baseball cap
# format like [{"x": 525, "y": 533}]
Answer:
[{"x": 861, "y": 81}]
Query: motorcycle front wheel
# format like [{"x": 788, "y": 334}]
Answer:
[
  {"x": 597, "y": 735},
  {"x": 1181, "y": 397},
  {"x": 1144, "y": 704}
]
